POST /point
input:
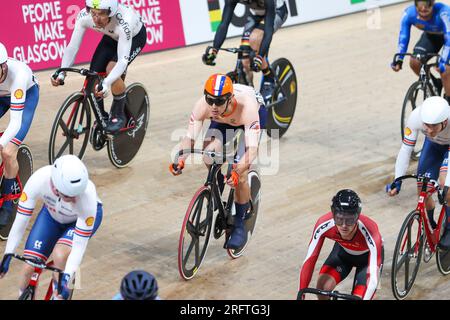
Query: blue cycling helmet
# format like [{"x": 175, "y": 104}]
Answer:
[
  {"x": 429, "y": 2},
  {"x": 139, "y": 285}
]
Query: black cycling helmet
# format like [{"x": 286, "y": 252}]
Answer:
[
  {"x": 346, "y": 201},
  {"x": 139, "y": 285},
  {"x": 429, "y": 2}
]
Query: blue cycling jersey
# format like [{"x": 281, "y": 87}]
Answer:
[{"x": 438, "y": 24}]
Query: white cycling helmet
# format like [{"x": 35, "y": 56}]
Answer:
[
  {"x": 111, "y": 5},
  {"x": 434, "y": 110},
  {"x": 3, "y": 53},
  {"x": 69, "y": 175}
]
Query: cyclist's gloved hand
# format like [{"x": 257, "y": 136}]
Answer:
[
  {"x": 397, "y": 65},
  {"x": 233, "y": 179},
  {"x": 176, "y": 169},
  {"x": 103, "y": 89},
  {"x": 441, "y": 66},
  {"x": 58, "y": 79},
  {"x": 394, "y": 185},
  {"x": 65, "y": 291},
  {"x": 257, "y": 63},
  {"x": 4, "y": 266},
  {"x": 209, "y": 57}
]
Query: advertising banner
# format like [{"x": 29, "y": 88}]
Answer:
[
  {"x": 37, "y": 31},
  {"x": 200, "y": 21}
]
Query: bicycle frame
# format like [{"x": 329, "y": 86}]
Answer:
[
  {"x": 88, "y": 90},
  {"x": 432, "y": 236},
  {"x": 39, "y": 266}
]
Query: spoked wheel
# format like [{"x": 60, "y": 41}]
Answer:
[
  {"x": 284, "y": 99},
  {"x": 407, "y": 256},
  {"x": 70, "y": 131},
  {"x": 123, "y": 147},
  {"x": 195, "y": 233},
  {"x": 25, "y": 160},
  {"x": 414, "y": 97},
  {"x": 250, "y": 219},
  {"x": 443, "y": 256},
  {"x": 27, "y": 294}
]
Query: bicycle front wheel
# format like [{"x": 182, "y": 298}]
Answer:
[
  {"x": 195, "y": 233},
  {"x": 407, "y": 255},
  {"x": 70, "y": 130},
  {"x": 414, "y": 97},
  {"x": 27, "y": 294},
  {"x": 284, "y": 99},
  {"x": 123, "y": 147}
]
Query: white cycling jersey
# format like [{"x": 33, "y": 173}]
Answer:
[
  {"x": 124, "y": 25},
  {"x": 414, "y": 125},
  {"x": 83, "y": 211},
  {"x": 18, "y": 80}
]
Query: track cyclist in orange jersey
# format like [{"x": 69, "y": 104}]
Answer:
[
  {"x": 229, "y": 107},
  {"x": 266, "y": 17},
  {"x": 124, "y": 38},
  {"x": 358, "y": 243},
  {"x": 434, "y": 19},
  {"x": 19, "y": 93}
]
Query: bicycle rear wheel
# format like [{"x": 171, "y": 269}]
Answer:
[
  {"x": 407, "y": 255},
  {"x": 25, "y": 160},
  {"x": 70, "y": 130},
  {"x": 250, "y": 219},
  {"x": 195, "y": 233},
  {"x": 123, "y": 147},
  {"x": 414, "y": 97},
  {"x": 280, "y": 114}
]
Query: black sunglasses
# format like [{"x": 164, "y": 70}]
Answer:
[
  {"x": 348, "y": 220},
  {"x": 218, "y": 101}
]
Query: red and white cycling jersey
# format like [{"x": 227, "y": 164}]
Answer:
[{"x": 367, "y": 239}]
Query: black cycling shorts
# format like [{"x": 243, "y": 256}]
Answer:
[
  {"x": 429, "y": 43},
  {"x": 107, "y": 50}
]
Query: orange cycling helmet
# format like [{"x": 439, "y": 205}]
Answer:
[{"x": 218, "y": 89}]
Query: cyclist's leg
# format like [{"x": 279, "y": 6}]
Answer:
[
  {"x": 423, "y": 46},
  {"x": 41, "y": 240},
  {"x": 334, "y": 270},
  {"x": 214, "y": 140},
  {"x": 64, "y": 244},
  {"x": 105, "y": 52},
  {"x": 430, "y": 162},
  {"x": 10, "y": 185},
  {"x": 118, "y": 118},
  {"x": 245, "y": 44},
  {"x": 238, "y": 235}
]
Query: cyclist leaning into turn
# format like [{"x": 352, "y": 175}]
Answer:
[
  {"x": 358, "y": 244},
  {"x": 432, "y": 118},
  {"x": 70, "y": 216},
  {"x": 124, "y": 38},
  {"x": 19, "y": 92},
  {"x": 266, "y": 17},
  {"x": 434, "y": 19},
  {"x": 229, "y": 107}
]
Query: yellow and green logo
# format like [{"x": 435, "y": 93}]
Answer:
[
  {"x": 96, "y": 4},
  {"x": 215, "y": 14}
]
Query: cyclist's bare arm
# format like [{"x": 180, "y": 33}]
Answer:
[{"x": 198, "y": 115}]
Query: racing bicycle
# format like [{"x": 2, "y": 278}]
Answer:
[
  {"x": 72, "y": 128},
  {"x": 210, "y": 212},
  {"x": 281, "y": 107},
  {"x": 426, "y": 86},
  {"x": 416, "y": 236}
]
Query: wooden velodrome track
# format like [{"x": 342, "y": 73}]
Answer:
[{"x": 345, "y": 134}]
